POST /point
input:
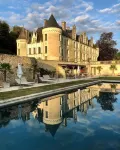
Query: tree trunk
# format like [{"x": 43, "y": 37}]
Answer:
[
  {"x": 4, "y": 75},
  {"x": 113, "y": 73}
]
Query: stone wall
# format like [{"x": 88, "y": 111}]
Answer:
[{"x": 26, "y": 62}]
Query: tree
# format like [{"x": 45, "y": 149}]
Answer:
[
  {"x": 5, "y": 67},
  {"x": 7, "y": 39},
  {"x": 17, "y": 30},
  {"x": 99, "y": 68},
  {"x": 117, "y": 56},
  {"x": 106, "y": 46},
  {"x": 106, "y": 100},
  {"x": 4, "y": 35},
  {"x": 113, "y": 68}
]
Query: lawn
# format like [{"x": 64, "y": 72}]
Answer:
[
  {"x": 109, "y": 78},
  {"x": 33, "y": 90}
]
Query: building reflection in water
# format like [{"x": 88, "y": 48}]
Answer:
[{"x": 56, "y": 110}]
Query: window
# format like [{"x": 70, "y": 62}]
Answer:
[
  {"x": 67, "y": 42},
  {"x": 18, "y": 51},
  {"x": 29, "y": 51},
  {"x": 45, "y": 49},
  {"x": 34, "y": 40},
  {"x": 34, "y": 51},
  {"x": 61, "y": 113},
  {"x": 46, "y": 114},
  {"x": 61, "y": 101},
  {"x": 60, "y": 50},
  {"x": 46, "y": 103},
  {"x": 74, "y": 44},
  {"x": 59, "y": 37},
  {"x": 39, "y": 50},
  {"x": 68, "y": 52},
  {"x": 45, "y": 37}
]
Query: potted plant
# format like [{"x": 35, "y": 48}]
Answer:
[
  {"x": 5, "y": 67},
  {"x": 113, "y": 87},
  {"x": 113, "y": 68},
  {"x": 99, "y": 68}
]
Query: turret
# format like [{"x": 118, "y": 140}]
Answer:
[
  {"x": 22, "y": 43},
  {"x": 52, "y": 34}
]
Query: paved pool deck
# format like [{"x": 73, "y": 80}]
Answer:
[
  {"x": 13, "y": 88},
  {"x": 39, "y": 96}
]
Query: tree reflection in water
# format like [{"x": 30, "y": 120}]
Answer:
[{"x": 106, "y": 100}]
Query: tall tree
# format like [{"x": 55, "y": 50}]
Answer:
[
  {"x": 106, "y": 100},
  {"x": 117, "y": 56},
  {"x": 4, "y": 35},
  {"x": 17, "y": 30},
  {"x": 107, "y": 45}
]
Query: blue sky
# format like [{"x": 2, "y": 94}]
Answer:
[{"x": 92, "y": 16}]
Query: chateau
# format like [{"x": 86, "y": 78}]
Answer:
[
  {"x": 55, "y": 42},
  {"x": 60, "y": 47}
]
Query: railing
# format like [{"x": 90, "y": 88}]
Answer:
[
  {"x": 105, "y": 62},
  {"x": 93, "y": 62}
]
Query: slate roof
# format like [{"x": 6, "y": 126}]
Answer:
[
  {"x": 39, "y": 34},
  {"x": 52, "y": 22},
  {"x": 52, "y": 128}
]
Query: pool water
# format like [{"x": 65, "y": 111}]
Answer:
[{"x": 87, "y": 119}]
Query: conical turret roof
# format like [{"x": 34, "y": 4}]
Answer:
[
  {"x": 52, "y": 22},
  {"x": 52, "y": 129},
  {"x": 22, "y": 34}
]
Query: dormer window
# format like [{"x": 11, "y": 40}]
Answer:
[{"x": 34, "y": 40}]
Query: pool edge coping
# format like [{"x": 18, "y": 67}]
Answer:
[{"x": 31, "y": 97}]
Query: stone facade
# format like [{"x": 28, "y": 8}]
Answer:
[
  {"x": 27, "y": 64},
  {"x": 59, "y": 43}
]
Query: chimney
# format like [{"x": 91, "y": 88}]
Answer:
[
  {"x": 91, "y": 39},
  {"x": 45, "y": 22},
  {"x": 64, "y": 25},
  {"x": 74, "y": 32}
]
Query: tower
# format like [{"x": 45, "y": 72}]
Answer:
[
  {"x": 51, "y": 40},
  {"x": 22, "y": 44}
]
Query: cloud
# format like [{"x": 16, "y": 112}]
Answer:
[
  {"x": 79, "y": 12},
  {"x": 112, "y": 10},
  {"x": 106, "y": 10},
  {"x": 82, "y": 18}
]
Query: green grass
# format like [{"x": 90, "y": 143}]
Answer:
[
  {"x": 109, "y": 78},
  {"x": 33, "y": 90}
]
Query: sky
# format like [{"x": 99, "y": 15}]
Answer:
[{"x": 91, "y": 16}]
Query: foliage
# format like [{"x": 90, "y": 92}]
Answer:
[
  {"x": 33, "y": 90},
  {"x": 106, "y": 100},
  {"x": 8, "y": 38},
  {"x": 117, "y": 56},
  {"x": 4, "y": 34},
  {"x": 17, "y": 30},
  {"x": 99, "y": 68},
  {"x": 113, "y": 86},
  {"x": 106, "y": 46},
  {"x": 113, "y": 68},
  {"x": 5, "y": 67},
  {"x": 46, "y": 72}
]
